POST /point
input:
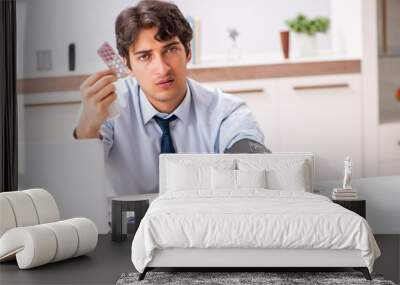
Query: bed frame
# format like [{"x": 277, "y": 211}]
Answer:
[
  {"x": 245, "y": 259},
  {"x": 242, "y": 259}
]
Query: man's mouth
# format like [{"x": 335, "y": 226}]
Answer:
[{"x": 165, "y": 83}]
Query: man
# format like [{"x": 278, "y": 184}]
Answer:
[{"x": 166, "y": 112}]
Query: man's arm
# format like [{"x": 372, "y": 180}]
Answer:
[
  {"x": 247, "y": 146},
  {"x": 76, "y": 136},
  {"x": 239, "y": 131}
]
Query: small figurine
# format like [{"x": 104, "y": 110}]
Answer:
[
  {"x": 347, "y": 173},
  {"x": 234, "y": 52},
  {"x": 233, "y": 33}
]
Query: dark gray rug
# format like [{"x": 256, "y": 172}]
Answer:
[{"x": 270, "y": 278}]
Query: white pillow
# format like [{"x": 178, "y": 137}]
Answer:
[
  {"x": 183, "y": 178},
  {"x": 226, "y": 179},
  {"x": 183, "y": 174},
  {"x": 293, "y": 178},
  {"x": 223, "y": 179},
  {"x": 282, "y": 174},
  {"x": 251, "y": 178}
]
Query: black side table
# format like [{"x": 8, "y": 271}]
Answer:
[
  {"x": 121, "y": 207},
  {"x": 357, "y": 206}
]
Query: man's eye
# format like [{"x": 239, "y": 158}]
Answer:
[
  {"x": 144, "y": 57},
  {"x": 172, "y": 49}
]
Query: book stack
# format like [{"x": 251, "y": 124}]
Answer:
[
  {"x": 195, "y": 23},
  {"x": 344, "y": 194}
]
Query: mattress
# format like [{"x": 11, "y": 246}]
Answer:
[{"x": 251, "y": 219}]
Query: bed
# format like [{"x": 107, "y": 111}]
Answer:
[{"x": 244, "y": 211}]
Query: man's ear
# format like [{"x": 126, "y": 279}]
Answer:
[
  {"x": 189, "y": 56},
  {"x": 126, "y": 63}
]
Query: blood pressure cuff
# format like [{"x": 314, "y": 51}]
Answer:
[{"x": 247, "y": 146}]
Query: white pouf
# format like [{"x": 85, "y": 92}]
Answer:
[{"x": 31, "y": 233}]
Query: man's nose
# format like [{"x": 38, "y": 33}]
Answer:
[{"x": 162, "y": 66}]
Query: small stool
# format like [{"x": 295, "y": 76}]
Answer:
[{"x": 119, "y": 208}]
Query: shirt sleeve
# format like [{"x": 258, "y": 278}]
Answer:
[
  {"x": 237, "y": 125},
  {"x": 107, "y": 133}
]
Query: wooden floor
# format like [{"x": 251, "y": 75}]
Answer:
[{"x": 110, "y": 260}]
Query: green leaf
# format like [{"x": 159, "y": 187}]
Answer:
[{"x": 302, "y": 24}]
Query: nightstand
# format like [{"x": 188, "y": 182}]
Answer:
[
  {"x": 125, "y": 209},
  {"x": 357, "y": 206}
]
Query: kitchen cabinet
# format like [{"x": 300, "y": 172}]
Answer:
[
  {"x": 320, "y": 114},
  {"x": 260, "y": 96}
]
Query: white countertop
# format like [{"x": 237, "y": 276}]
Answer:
[{"x": 265, "y": 59}]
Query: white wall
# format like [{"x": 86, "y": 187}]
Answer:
[
  {"x": 257, "y": 21},
  {"x": 382, "y": 197},
  {"x": 346, "y": 27},
  {"x": 73, "y": 173},
  {"x": 54, "y": 24}
]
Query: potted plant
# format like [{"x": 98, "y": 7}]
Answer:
[{"x": 304, "y": 30}]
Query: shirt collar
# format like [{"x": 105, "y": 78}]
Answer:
[{"x": 182, "y": 111}]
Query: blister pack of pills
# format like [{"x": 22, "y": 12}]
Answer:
[
  {"x": 113, "y": 60},
  {"x": 115, "y": 63}
]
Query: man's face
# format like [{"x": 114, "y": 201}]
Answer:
[{"x": 159, "y": 67}]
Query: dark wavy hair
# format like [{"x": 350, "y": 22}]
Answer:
[{"x": 164, "y": 15}]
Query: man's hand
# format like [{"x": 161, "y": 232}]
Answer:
[{"x": 97, "y": 93}]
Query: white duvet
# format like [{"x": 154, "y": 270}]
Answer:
[{"x": 252, "y": 218}]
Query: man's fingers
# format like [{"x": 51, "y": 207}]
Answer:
[
  {"x": 110, "y": 88},
  {"x": 108, "y": 99},
  {"x": 94, "y": 77},
  {"x": 100, "y": 84}
]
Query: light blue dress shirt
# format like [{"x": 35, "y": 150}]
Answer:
[{"x": 209, "y": 121}]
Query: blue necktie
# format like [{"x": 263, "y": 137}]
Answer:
[{"x": 166, "y": 139}]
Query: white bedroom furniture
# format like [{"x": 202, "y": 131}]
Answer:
[
  {"x": 193, "y": 223},
  {"x": 32, "y": 233}
]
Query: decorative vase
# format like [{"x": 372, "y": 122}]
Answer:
[
  {"x": 285, "y": 44},
  {"x": 305, "y": 45}
]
